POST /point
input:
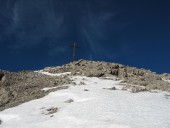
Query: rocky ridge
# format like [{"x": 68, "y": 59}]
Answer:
[
  {"x": 130, "y": 76},
  {"x": 20, "y": 87}
]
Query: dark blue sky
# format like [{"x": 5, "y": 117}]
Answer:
[{"x": 37, "y": 33}]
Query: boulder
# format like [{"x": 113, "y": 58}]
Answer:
[
  {"x": 69, "y": 101},
  {"x": 136, "y": 89}
]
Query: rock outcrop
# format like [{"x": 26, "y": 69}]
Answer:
[
  {"x": 20, "y": 87},
  {"x": 130, "y": 75}
]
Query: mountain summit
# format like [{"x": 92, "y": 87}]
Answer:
[
  {"x": 20, "y": 87},
  {"x": 85, "y": 94}
]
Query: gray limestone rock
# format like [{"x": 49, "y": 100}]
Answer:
[
  {"x": 20, "y": 87},
  {"x": 136, "y": 89},
  {"x": 86, "y": 90},
  {"x": 52, "y": 110},
  {"x": 82, "y": 83},
  {"x": 69, "y": 101},
  {"x": 112, "y": 88}
]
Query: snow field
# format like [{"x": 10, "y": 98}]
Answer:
[{"x": 96, "y": 108}]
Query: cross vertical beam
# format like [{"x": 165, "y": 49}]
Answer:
[{"x": 74, "y": 46}]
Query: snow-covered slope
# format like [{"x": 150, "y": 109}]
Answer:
[{"x": 93, "y": 105}]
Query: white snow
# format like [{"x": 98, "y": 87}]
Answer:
[
  {"x": 46, "y": 89},
  {"x": 96, "y": 108},
  {"x": 166, "y": 80},
  {"x": 52, "y": 74}
]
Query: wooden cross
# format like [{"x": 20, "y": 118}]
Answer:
[{"x": 74, "y": 46}]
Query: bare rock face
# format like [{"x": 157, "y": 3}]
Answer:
[
  {"x": 3, "y": 96},
  {"x": 20, "y": 87}
]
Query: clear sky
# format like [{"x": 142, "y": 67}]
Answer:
[{"x": 37, "y": 33}]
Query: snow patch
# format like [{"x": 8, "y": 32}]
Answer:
[
  {"x": 46, "y": 89},
  {"x": 8, "y": 117},
  {"x": 166, "y": 80},
  {"x": 53, "y": 74}
]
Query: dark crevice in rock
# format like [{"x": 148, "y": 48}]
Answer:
[{"x": 1, "y": 76}]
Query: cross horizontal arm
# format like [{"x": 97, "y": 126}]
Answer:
[{"x": 72, "y": 46}]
